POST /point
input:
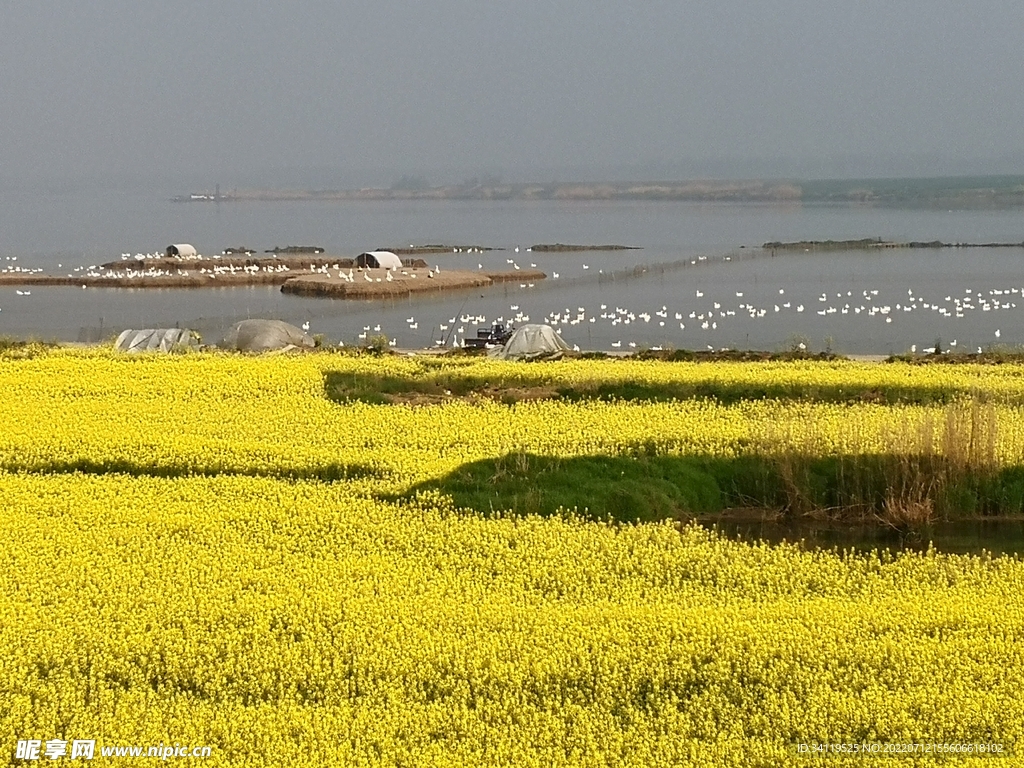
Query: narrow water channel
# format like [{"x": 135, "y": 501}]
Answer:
[{"x": 973, "y": 537}]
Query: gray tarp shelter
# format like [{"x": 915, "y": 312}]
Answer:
[
  {"x": 181, "y": 250},
  {"x": 265, "y": 336},
  {"x": 531, "y": 342},
  {"x": 379, "y": 260},
  {"x": 157, "y": 340}
]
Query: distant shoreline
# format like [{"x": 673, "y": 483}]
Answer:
[
  {"x": 875, "y": 243},
  {"x": 958, "y": 192}
]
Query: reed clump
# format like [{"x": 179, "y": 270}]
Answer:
[{"x": 916, "y": 470}]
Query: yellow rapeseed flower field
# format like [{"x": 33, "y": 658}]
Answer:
[{"x": 210, "y": 550}]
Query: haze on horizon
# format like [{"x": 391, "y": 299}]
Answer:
[{"x": 325, "y": 93}]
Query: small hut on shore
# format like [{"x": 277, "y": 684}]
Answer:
[
  {"x": 181, "y": 251},
  {"x": 378, "y": 260}
]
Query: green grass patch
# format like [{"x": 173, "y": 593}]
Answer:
[{"x": 902, "y": 491}]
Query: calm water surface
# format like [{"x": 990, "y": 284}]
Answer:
[{"x": 731, "y": 295}]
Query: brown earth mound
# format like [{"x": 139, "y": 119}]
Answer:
[{"x": 373, "y": 283}]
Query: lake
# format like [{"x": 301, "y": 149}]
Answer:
[{"x": 700, "y": 281}]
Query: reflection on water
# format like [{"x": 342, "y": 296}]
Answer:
[{"x": 962, "y": 537}]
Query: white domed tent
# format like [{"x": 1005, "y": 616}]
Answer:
[
  {"x": 531, "y": 342},
  {"x": 157, "y": 340},
  {"x": 265, "y": 336},
  {"x": 379, "y": 260},
  {"x": 182, "y": 251}
]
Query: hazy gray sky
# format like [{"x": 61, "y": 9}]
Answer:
[{"x": 231, "y": 88}]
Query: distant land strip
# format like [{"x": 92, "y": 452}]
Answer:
[
  {"x": 875, "y": 242},
  {"x": 412, "y": 250},
  {"x": 540, "y": 248},
  {"x": 563, "y": 248},
  {"x": 953, "y": 192},
  {"x": 700, "y": 191}
]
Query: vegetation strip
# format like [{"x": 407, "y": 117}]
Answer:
[{"x": 875, "y": 242}]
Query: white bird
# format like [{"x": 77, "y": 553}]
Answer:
[
  {"x": 616, "y": 344},
  {"x": 305, "y": 326},
  {"x": 997, "y": 333},
  {"x": 554, "y": 275}
]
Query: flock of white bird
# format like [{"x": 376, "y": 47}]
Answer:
[
  {"x": 714, "y": 313},
  {"x": 212, "y": 271},
  {"x": 697, "y": 313},
  {"x": 15, "y": 269}
]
